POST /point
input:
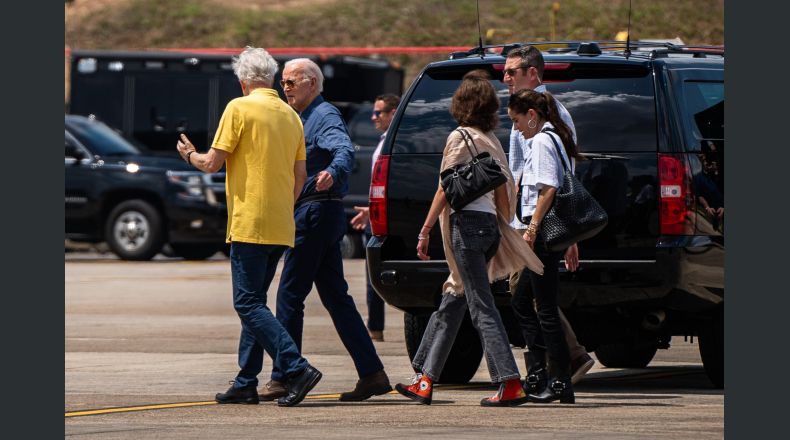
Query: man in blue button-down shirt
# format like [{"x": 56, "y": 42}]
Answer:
[{"x": 320, "y": 225}]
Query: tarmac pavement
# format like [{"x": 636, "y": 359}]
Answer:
[{"x": 148, "y": 344}]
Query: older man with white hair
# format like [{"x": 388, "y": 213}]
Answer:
[
  {"x": 320, "y": 225},
  {"x": 261, "y": 141}
]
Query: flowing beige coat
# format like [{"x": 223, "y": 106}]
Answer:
[{"x": 513, "y": 254}]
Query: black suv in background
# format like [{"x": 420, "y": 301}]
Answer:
[
  {"x": 650, "y": 123},
  {"x": 138, "y": 202}
]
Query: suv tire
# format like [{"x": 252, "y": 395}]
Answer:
[
  {"x": 711, "y": 347},
  {"x": 634, "y": 354},
  {"x": 351, "y": 246},
  {"x": 465, "y": 356},
  {"x": 133, "y": 230},
  {"x": 194, "y": 251}
]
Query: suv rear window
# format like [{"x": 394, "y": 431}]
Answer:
[
  {"x": 615, "y": 114},
  {"x": 426, "y": 121}
]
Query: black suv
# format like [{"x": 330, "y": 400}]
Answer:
[
  {"x": 138, "y": 202},
  {"x": 650, "y": 122}
]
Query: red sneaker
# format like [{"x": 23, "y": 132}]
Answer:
[
  {"x": 421, "y": 389},
  {"x": 510, "y": 393}
]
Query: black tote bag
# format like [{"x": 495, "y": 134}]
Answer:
[
  {"x": 574, "y": 215},
  {"x": 466, "y": 182}
]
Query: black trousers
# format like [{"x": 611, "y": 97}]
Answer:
[{"x": 535, "y": 305}]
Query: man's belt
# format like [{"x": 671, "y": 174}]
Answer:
[{"x": 318, "y": 198}]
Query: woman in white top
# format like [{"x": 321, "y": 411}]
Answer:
[
  {"x": 479, "y": 246},
  {"x": 550, "y": 146}
]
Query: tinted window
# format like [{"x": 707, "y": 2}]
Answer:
[
  {"x": 610, "y": 114},
  {"x": 100, "y": 139},
  {"x": 704, "y": 112},
  {"x": 427, "y": 122}
]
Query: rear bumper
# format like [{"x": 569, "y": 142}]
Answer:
[{"x": 687, "y": 278}]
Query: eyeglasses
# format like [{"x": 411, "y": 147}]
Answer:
[{"x": 289, "y": 83}]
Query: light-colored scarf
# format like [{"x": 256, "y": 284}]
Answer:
[{"x": 513, "y": 254}]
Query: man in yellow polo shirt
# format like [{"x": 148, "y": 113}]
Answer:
[{"x": 261, "y": 140}]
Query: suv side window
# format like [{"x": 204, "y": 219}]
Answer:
[
  {"x": 704, "y": 108},
  {"x": 426, "y": 120}
]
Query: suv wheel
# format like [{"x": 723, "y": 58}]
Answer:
[
  {"x": 134, "y": 230},
  {"x": 351, "y": 246},
  {"x": 194, "y": 251},
  {"x": 711, "y": 347},
  {"x": 465, "y": 356},
  {"x": 633, "y": 354}
]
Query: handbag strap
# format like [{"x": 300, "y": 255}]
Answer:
[
  {"x": 548, "y": 131},
  {"x": 464, "y": 136}
]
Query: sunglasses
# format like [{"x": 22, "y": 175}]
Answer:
[
  {"x": 512, "y": 72},
  {"x": 377, "y": 113},
  {"x": 289, "y": 83}
]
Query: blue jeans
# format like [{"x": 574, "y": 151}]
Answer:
[
  {"x": 252, "y": 269},
  {"x": 316, "y": 258},
  {"x": 375, "y": 303},
  {"x": 475, "y": 239}
]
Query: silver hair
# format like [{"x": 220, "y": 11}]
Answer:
[
  {"x": 255, "y": 65},
  {"x": 309, "y": 69}
]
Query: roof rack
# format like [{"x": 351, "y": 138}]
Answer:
[{"x": 649, "y": 49}]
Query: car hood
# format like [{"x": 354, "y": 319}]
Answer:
[{"x": 150, "y": 161}]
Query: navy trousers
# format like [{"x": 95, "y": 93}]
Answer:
[{"x": 316, "y": 258}]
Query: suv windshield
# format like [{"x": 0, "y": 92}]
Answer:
[
  {"x": 100, "y": 139},
  {"x": 614, "y": 113}
]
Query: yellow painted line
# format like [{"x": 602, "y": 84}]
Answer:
[
  {"x": 115, "y": 410},
  {"x": 92, "y": 412}
]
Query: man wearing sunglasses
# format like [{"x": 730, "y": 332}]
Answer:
[
  {"x": 383, "y": 111},
  {"x": 320, "y": 225},
  {"x": 524, "y": 70}
]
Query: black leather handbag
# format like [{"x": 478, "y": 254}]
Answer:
[
  {"x": 466, "y": 182},
  {"x": 574, "y": 216}
]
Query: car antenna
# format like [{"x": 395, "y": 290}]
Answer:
[
  {"x": 628, "y": 34},
  {"x": 479, "y": 34}
]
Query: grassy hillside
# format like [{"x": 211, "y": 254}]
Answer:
[{"x": 135, "y": 24}]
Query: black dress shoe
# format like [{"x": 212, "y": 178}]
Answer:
[
  {"x": 299, "y": 386},
  {"x": 371, "y": 385},
  {"x": 248, "y": 395}
]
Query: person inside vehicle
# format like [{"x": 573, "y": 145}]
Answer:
[
  {"x": 480, "y": 247},
  {"x": 536, "y": 116}
]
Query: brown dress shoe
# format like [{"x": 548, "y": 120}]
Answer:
[
  {"x": 272, "y": 391},
  {"x": 376, "y": 335},
  {"x": 372, "y": 385}
]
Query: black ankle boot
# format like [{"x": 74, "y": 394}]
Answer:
[
  {"x": 559, "y": 386},
  {"x": 537, "y": 376}
]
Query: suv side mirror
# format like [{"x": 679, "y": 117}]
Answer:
[{"x": 73, "y": 154}]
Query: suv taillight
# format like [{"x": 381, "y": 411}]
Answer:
[
  {"x": 677, "y": 200},
  {"x": 378, "y": 195}
]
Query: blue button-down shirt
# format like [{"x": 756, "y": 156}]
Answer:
[{"x": 328, "y": 146}]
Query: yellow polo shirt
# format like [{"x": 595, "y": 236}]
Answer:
[{"x": 264, "y": 137}]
